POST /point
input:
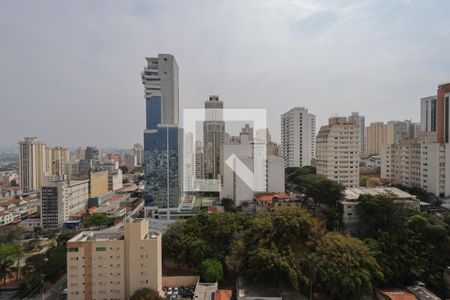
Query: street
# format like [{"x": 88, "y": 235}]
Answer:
[{"x": 54, "y": 292}]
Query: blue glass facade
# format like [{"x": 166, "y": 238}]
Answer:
[
  {"x": 153, "y": 112},
  {"x": 161, "y": 159}
]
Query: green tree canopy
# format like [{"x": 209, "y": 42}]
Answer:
[
  {"x": 273, "y": 244},
  {"x": 146, "y": 294},
  {"x": 211, "y": 270},
  {"x": 347, "y": 266},
  {"x": 205, "y": 236},
  {"x": 97, "y": 221}
]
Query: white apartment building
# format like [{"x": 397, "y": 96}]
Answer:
[
  {"x": 32, "y": 163},
  {"x": 244, "y": 176},
  {"x": 138, "y": 150},
  {"x": 338, "y": 152},
  {"x": 114, "y": 264},
  {"x": 359, "y": 120},
  {"x": 417, "y": 164},
  {"x": 61, "y": 198},
  {"x": 298, "y": 137}
]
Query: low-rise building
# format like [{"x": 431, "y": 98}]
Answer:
[
  {"x": 114, "y": 265},
  {"x": 6, "y": 218},
  {"x": 348, "y": 205},
  {"x": 62, "y": 198}
]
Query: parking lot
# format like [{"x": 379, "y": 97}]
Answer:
[{"x": 181, "y": 292}]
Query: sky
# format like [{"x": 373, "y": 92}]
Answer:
[{"x": 70, "y": 70}]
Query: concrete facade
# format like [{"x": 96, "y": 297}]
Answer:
[
  {"x": 32, "y": 164},
  {"x": 298, "y": 137},
  {"x": 114, "y": 265},
  {"x": 360, "y": 120},
  {"x": 376, "y": 136},
  {"x": 338, "y": 151},
  {"x": 60, "y": 199}
]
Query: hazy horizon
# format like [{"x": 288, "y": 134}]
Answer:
[{"x": 71, "y": 70}]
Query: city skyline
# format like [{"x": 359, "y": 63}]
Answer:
[{"x": 91, "y": 55}]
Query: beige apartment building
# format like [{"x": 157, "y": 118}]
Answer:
[
  {"x": 417, "y": 163},
  {"x": 113, "y": 265},
  {"x": 58, "y": 161},
  {"x": 98, "y": 183},
  {"x": 32, "y": 163},
  {"x": 338, "y": 151},
  {"x": 376, "y": 136}
]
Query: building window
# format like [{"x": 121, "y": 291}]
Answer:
[{"x": 100, "y": 249}]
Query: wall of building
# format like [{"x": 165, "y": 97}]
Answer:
[{"x": 98, "y": 183}]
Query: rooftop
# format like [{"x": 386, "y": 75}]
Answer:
[
  {"x": 397, "y": 294},
  {"x": 354, "y": 193}
]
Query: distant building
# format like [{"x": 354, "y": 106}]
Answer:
[
  {"x": 213, "y": 138},
  {"x": 138, "y": 150},
  {"x": 98, "y": 183},
  {"x": 114, "y": 264},
  {"x": 130, "y": 160},
  {"x": 375, "y": 137},
  {"x": 6, "y": 218},
  {"x": 60, "y": 199},
  {"x": 115, "y": 180},
  {"x": 348, "y": 205},
  {"x": 79, "y": 153},
  {"x": 32, "y": 163},
  {"x": 434, "y": 114},
  {"x": 359, "y": 120},
  {"x": 58, "y": 161},
  {"x": 298, "y": 137},
  {"x": 241, "y": 186},
  {"x": 413, "y": 163},
  {"x": 162, "y": 137},
  {"x": 338, "y": 151}
]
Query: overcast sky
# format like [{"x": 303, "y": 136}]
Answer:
[{"x": 70, "y": 70}]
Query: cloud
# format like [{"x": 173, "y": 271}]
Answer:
[{"x": 70, "y": 71}]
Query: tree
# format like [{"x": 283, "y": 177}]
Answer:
[
  {"x": 205, "y": 236},
  {"x": 18, "y": 251},
  {"x": 270, "y": 249},
  {"x": 124, "y": 169},
  {"x": 7, "y": 252},
  {"x": 211, "y": 270},
  {"x": 347, "y": 266},
  {"x": 228, "y": 205},
  {"x": 97, "y": 220},
  {"x": 380, "y": 212},
  {"x": 146, "y": 294}
]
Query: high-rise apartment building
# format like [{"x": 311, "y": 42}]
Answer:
[
  {"x": 79, "y": 153},
  {"x": 138, "y": 150},
  {"x": 396, "y": 129},
  {"x": 375, "y": 137},
  {"x": 92, "y": 153},
  {"x": 114, "y": 264},
  {"x": 213, "y": 138},
  {"x": 58, "y": 161},
  {"x": 359, "y": 120},
  {"x": 162, "y": 136},
  {"x": 435, "y": 114},
  {"x": 60, "y": 199},
  {"x": 298, "y": 137},
  {"x": 417, "y": 163},
  {"x": 32, "y": 163},
  {"x": 338, "y": 151},
  {"x": 443, "y": 113}
]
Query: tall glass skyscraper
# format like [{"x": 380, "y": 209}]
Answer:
[{"x": 162, "y": 137}]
